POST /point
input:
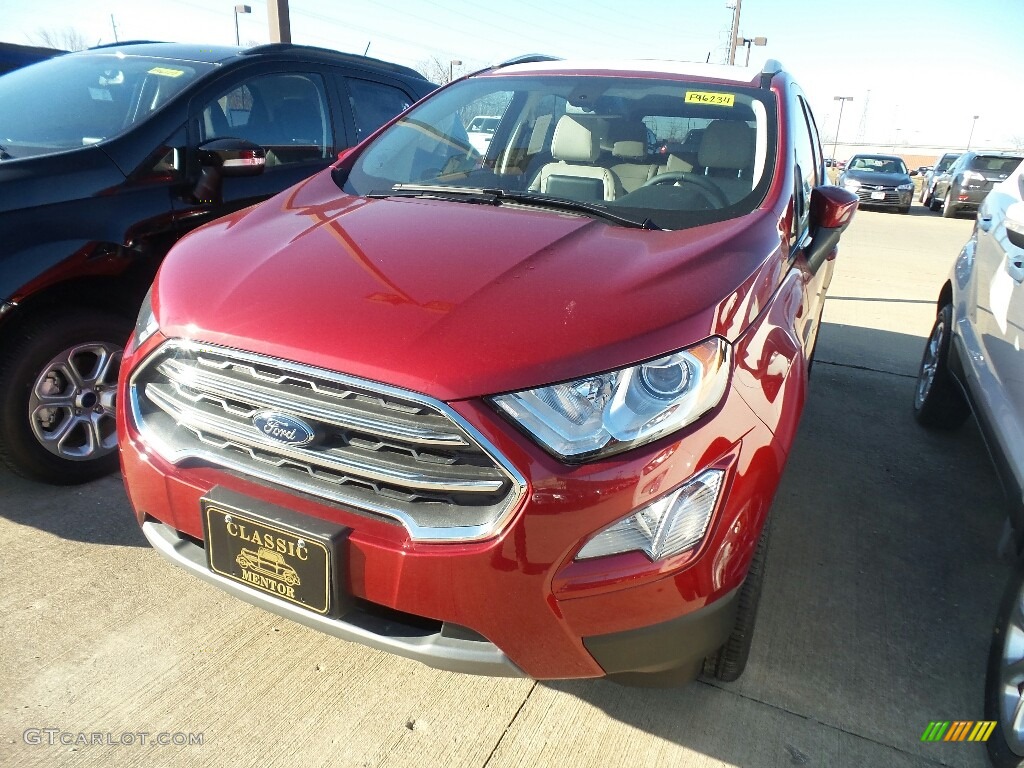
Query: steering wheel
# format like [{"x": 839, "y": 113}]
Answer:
[{"x": 711, "y": 190}]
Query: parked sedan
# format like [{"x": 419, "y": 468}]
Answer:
[
  {"x": 881, "y": 180},
  {"x": 942, "y": 165},
  {"x": 970, "y": 179},
  {"x": 973, "y": 362}
]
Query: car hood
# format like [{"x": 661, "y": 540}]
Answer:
[
  {"x": 874, "y": 177},
  {"x": 458, "y": 300}
]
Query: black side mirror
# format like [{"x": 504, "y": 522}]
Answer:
[
  {"x": 913, "y": 173},
  {"x": 229, "y": 157},
  {"x": 832, "y": 210}
]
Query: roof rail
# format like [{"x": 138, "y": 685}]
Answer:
[
  {"x": 352, "y": 57},
  {"x": 527, "y": 58},
  {"x": 771, "y": 68},
  {"x": 124, "y": 42}
]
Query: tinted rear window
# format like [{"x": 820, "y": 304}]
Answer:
[{"x": 995, "y": 163}]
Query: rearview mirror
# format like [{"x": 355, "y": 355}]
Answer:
[
  {"x": 228, "y": 157},
  {"x": 832, "y": 210}
]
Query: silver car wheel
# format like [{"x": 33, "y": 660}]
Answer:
[
  {"x": 71, "y": 405},
  {"x": 1011, "y": 678},
  {"x": 930, "y": 363}
]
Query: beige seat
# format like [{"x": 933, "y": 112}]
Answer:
[
  {"x": 630, "y": 148},
  {"x": 676, "y": 164},
  {"x": 726, "y": 156},
  {"x": 575, "y": 148}
]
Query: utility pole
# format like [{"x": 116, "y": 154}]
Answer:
[
  {"x": 114, "y": 25},
  {"x": 735, "y": 30},
  {"x": 280, "y": 23}
]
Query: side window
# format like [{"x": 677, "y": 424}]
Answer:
[
  {"x": 285, "y": 113},
  {"x": 819, "y": 157},
  {"x": 373, "y": 104},
  {"x": 804, "y": 155},
  {"x": 166, "y": 162}
]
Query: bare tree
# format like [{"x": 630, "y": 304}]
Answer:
[
  {"x": 1017, "y": 141},
  {"x": 66, "y": 39},
  {"x": 436, "y": 70}
]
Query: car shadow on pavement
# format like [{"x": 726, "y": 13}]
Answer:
[
  {"x": 881, "y": 589},
  {"x": 95, "y": 513}
]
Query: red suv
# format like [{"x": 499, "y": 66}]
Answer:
[{"x": 519, "y": 412}]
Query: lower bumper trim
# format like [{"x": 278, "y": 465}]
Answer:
[
  {"x": 662, "y": 649},
  {"x": 440, "y": 649}
]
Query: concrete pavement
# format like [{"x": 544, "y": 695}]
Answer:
[{"x": 881, "y": 591}]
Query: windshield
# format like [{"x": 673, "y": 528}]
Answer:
[
  {"x": 878, "y": 165},
  {"x": 667, "y": 153},
  {"x": 81, "y": 99}
]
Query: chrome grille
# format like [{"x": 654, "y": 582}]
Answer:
[
  {"x": 378, "y": 449},
  {"x": 865, "y": 190}
]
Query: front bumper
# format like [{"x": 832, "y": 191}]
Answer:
[
  {"x": 891, "y": 198},
  {"x": 518, "y": 603}
]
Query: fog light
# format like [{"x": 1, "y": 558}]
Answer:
[{"x": 673, "y": 524}]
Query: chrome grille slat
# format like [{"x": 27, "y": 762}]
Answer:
[
  {"x": 376, "y": 449},
  {"x": 337, "y": 460},
  {"x": 229, "y": 387}
]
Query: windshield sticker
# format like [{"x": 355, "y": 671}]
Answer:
[
  {"x": 715, "y": 99},
  {"x": 165, "y": 72}
]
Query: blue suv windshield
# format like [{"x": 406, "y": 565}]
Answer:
[{"x": 85, "y": 98}]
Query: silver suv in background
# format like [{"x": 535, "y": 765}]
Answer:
[
  {"x": 942, "y": 165},
  {"x": 973, "y": 361}
]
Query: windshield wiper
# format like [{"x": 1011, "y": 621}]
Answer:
[
  {"x": 438, "y": 192},
  {"x": 577, "y": 206},
  {"x": 485, "y": 196}
]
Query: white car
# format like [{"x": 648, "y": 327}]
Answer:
[
  {"x": 973, "y": 361},
  {"x": 480, "y": 130}
]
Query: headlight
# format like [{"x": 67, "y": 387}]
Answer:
[
  {"x": 145, "y": 325},
  {"x": 669, "y": 526},
  {"x": 612, "y": 412},
  {"x": 905, "y": 187}
]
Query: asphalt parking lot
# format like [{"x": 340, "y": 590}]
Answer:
[{"x": 881, "y": 591}]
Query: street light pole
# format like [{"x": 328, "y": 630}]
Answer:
[
  {"x": 973, "y": 123},
  {"x": 842, "y": 103},
  {"x": 451, "y": 68},
  {"x": 240, "y": 9},
  {"x": 747, "y": 41}
]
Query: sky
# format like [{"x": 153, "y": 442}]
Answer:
[{"x": 918, "y": 70}]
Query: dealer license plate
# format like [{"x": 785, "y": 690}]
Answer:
[{"x": 279, "y": 560}]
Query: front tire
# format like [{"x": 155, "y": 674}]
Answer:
[
  {"x": 938, "y": 401},
  {"x": 58, "y": 384},
  {"x": 933, "y": 202},
  {"x": 729, "y": 661},
  {"x": 1004, "y": 702}
]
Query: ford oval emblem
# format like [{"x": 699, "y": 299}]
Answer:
[{"x": 282, "y": 428}]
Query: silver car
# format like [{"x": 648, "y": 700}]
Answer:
[{"x": 973, "y": 361}]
